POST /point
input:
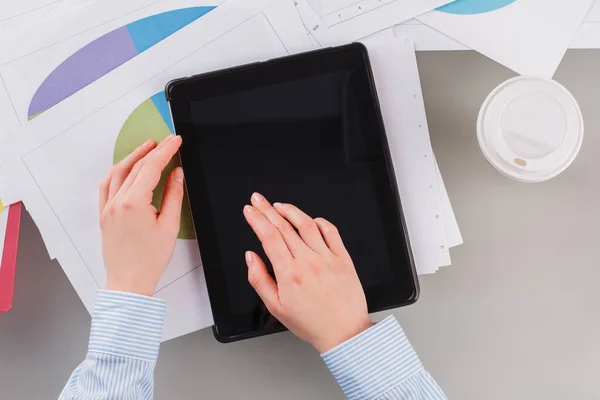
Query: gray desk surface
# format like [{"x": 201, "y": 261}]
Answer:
[{"x": 516, "y": 316}]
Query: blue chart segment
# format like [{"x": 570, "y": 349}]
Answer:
[
  {"x": 161, "y": 104},
  {"x": 469, "y": 7}
]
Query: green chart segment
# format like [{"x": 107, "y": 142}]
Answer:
[{"x": 152, "y": 120}]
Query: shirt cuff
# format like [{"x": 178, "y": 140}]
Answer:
[
  {"x": 373, "y": 362},
  {"x": 127, "y": 325}
]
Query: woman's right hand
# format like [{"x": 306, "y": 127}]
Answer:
[{"x": 318, "y": 295}]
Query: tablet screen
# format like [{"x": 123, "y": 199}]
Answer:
[{"x": 299, "y": 134}]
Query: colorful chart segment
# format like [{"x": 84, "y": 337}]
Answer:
[
  {"x": 107, "y": 53},
  {"x": 152, "y": 120},
  {"x": 469, "y": 7}
]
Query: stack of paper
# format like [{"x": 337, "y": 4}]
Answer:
[
  {"x": 432, "y": 227},
  {"x": 75, "y": 74}
]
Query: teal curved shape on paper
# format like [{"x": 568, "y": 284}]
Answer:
[
  {"x": 470, "y": 7},
  {"x": 107, "y": 53}
]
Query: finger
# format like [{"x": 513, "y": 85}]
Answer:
[
  {"x": 270, "y": 238},
  {"x": 170, "y": 211},
  {"x": 123, "y": 168},
  {"x": 262, "y": 282},
  {"x": 138, "y": 167},
  {"x": 149, "y": 174},
  {"x": 332, "y": 237},
  {"x": 306, "y": 226},
  {"x": 103, "y": 191},
  {"x": 287, "y": 231}
]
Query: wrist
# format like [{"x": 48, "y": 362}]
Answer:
[
  {"x": 337, "y": 337},
  {"x": 131, "y": 286}
]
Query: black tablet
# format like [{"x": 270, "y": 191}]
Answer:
[{"x": 306, "y": 130}]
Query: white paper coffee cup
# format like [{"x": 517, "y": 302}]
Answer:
[{"x": 530, "y": 128}]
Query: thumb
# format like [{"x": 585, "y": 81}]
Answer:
[
  {"x": 170, "y": 211},
  {"x": 262, "y": 282}
]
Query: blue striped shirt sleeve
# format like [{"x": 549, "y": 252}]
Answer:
[
  {"x": 123, "y": 349},
  {"x": 381, "y": 364}
]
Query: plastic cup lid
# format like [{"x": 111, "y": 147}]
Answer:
[{"x": 530, "y": 128}]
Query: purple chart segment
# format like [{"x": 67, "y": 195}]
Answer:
[{"x": 83, "y": 68}]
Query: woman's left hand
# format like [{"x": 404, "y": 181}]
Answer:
[{"x": 137, "y": 240}]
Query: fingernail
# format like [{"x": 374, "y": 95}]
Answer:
[
  {"x": 258, "y": 197},
  {"x": 179, "y": 175},
  {"x": 249, "y": 257},
  {"x": 277, "y": 205},
  {"x": 148, "y": 143},
  {"x": 248, "y": 209}
]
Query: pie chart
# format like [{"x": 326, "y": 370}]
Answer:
[
  {"x": 469, "y": 7},
  {"x": 107, "y": 53},
  {"x": 152, "y": 120}
]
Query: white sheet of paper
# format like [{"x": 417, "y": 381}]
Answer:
[
  {"x": 452, "y": 230},
  {"x": 435, "y": 188},
  {"x": 63, "y": 199},
  {"x": 447, "y": 226},
  {"x": 428, "y": 39},
  {"x": 62, "y": 20},
  {"x": 527, "y": 36},
  {"x": 12, "y": 9},
  {"x": 593, "y": 14},
  {"x": 394, "y": 68},
  {"x": 588, "y": 34},
  {"x": 336, "y": 22},
  {"x": 15, "y": 25},
  {"x": 9, "y": 122}
]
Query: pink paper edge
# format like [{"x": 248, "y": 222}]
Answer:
[{"x": 9, "y": 257}]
